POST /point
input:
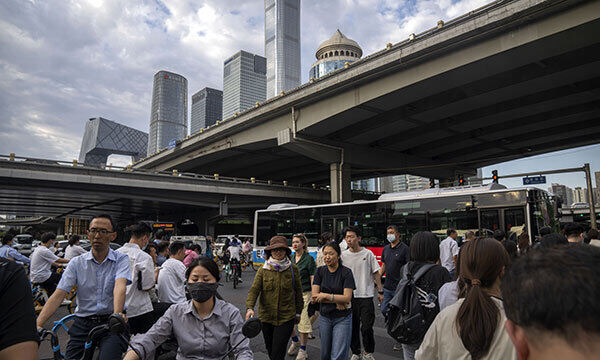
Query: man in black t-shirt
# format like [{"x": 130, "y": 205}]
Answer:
[
  {"x": 394, "y": 256},
  {"x": 18, "y": 335}
]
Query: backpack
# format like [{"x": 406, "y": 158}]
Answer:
[{"x": 405, "y": 321}]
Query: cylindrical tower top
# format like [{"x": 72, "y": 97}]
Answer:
[{"x": 338, "y": 45}]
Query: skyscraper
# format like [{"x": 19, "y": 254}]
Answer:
[
  {"x": 207, "y": 109},
  {"x": 282, "y": 45},
  {"x": 244, "y": 82},
  {"x": 168, "y": 117}
]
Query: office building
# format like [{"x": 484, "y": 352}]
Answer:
[
  {"x": 207, "y": 109},
  {"x": 564, "y": 193},
  {"x": 333, "y": 54},
  {"x": 244, "y": 82},
  {"x": 168, "y": 116},
  {"x": 580, "y": 195},
  {"x": 103, "y": 138},
  {"x": 282, "y": 45}
]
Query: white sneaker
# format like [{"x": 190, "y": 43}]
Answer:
[
  {"x": 302, "y": 355},
  {"x": 294, "y": 346},
  {"x": 355, "y": 357},
  {"x": 368, "y": 356}
]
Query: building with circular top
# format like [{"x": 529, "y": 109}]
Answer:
[{"x": 333, "y": 54}]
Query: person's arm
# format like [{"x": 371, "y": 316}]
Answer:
[
  {"x": 377, "y": 279},
  {"x": 122, "y": 279},
  {"x": 454, "y": 249},
  {"x": 337, "y": 298},
  {"x": 382, "y": 270},
  {"x": 243, "y": 351},
  {"x": 61, "y": 261},
  {"x": 50, "y": 307},
  {"x": 147, "y": 274},
  {"x": 253, "y": 293},
  {"x": 17, "y": 256},
  {"x": 144, "y": 344},
  {"x": 297, "y": 290}
]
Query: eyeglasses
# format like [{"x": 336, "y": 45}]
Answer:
[{"x": 94, "y": 231}]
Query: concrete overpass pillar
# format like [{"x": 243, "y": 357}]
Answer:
[{"x": 340, "y": 183}]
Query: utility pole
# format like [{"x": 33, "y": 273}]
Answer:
[{"x": 588, "y": 179}]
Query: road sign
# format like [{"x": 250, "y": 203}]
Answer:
[
  {"x": 530, "y": 180},
  {"x": 172, "y": 144}
]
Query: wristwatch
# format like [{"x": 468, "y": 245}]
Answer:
[{"x": 380, "y": 292}]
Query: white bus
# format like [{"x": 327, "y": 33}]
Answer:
[{"x": 478, "y": 208}]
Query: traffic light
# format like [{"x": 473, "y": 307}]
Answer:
[
  {"x": 461, "y": 180},
  {"x": 431, "y": 183},
  {"x": 495, "y": 176}
]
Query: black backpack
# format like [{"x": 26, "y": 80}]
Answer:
[{"x": 405, "y": 321}]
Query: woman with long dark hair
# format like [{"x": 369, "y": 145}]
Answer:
[
  {"x": 473, "y": 327},
  {"x": 204, "y": 327},
  {"x": 278, "y": 288},
  {"x": 332, "y": 288}
]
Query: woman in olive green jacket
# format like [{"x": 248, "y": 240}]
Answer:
[{"x": 280, "y": 303}]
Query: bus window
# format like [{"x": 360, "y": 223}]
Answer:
[
  {"x": 514, "y": 219},
  {"x": 460, "y": 220},
  {"x": 307, "y": 222},
  {"x": 335, "y": 226},
  {"x": 273, "y": 223},
  {"x": 370, "y": 218},
  {"x": 490, "y": 221},
  {"x": 408, "y": 221}
]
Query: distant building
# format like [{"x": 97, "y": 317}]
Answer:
[
  {"x": 580, "y": 195},
  {"x": 563, "y": 192},
  {"x": 168, "y": 116},
  {"x": 401, "y": 183},
  {"x": 207, "y": 109},
  {"x": 333, "y": 54},
  {"x": 103, "y": 138},
  {"x": 282, "y": 45},
  {"x": 244, "y": 82}
]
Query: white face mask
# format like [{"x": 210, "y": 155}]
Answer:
[{"x": 391, "y": 238}]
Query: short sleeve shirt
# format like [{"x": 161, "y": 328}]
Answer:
[
  {"x": 17, "y": 318},
  {"x": 448, "y": 250},
  {"x": 394, "y": 258},
  {"x": 334, "y": 283},
  {"x": 41, "y": 264},
  {"x": 363, "y": 264},
  {"x": 307, "y": 268}
]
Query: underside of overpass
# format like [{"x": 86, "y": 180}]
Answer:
[{"x": 501, "y": 84}]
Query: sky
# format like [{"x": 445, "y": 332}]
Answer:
[{"x": 65, "y": 61}]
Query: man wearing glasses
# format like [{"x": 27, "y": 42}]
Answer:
[{"x": 101, "y": 277}]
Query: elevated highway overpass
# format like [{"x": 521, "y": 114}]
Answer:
[
  {"x": 512, "y": 79},
  {"x": 46, "y": 190}
]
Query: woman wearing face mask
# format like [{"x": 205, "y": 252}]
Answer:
[
  {"x": 280, "y": 303},
  {"x": 204, "y": 327}
]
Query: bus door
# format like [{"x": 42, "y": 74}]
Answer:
[{"x": 335, "y": 225}]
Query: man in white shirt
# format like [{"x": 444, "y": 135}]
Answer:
[
  {"x": 449, "y": 252},
  {"x": 171, "y": 277},
  {"x": 137, "y": 298},
  {"x": 234, "y": 255},
  {"x": 42, "y": 259},
  {"x": 365, "y": 270}
]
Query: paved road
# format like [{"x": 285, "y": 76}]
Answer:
[{"x": 383, "y": 343}]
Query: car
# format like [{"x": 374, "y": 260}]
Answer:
[{"x": 23, "y": 243}]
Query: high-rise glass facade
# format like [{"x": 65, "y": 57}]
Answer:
[
  {"x": 244, "y": 82},
  {"x": 282, "y": 45},
  {"x": 207, "y": 109},
  {"x": 168, "y": 116}
]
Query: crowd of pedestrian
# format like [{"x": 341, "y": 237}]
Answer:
[{"x": 482, "y": 298}]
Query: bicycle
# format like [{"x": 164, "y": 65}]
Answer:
[{"x": 116, "y": 325}]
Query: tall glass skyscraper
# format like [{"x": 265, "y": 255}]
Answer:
[
  {"x": 207, "y": 109},
  {"x": 244, "y": 82},
  {"x": 282, "y": 45},
  {"x": 168, "y": 117}
]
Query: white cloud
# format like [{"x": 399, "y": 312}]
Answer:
[{"x": 66, "y": 61}]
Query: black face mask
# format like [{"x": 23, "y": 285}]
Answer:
[{"x": 201, "y": 291}]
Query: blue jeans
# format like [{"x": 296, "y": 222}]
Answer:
[
  {"x": 335, "y": 336},
  {"x": 387, "y": 297}
]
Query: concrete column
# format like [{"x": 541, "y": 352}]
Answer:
[{"x": 340, "y": 183}]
